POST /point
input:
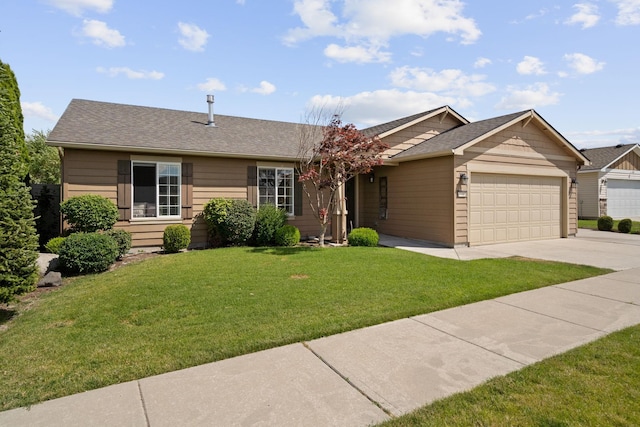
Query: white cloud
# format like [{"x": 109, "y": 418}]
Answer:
[
  {"x": 39, "y": 110},
  {"x": 482, "y": 62},
  {"x": 358, "y": 54},
  {"x": 131, "y": 74},
  {"x": 368, "y": 25},
  {"x": 265, "y": 88},
  {"x": 371, "y": 108},
  {"x": 587, "y": 15},
  {"x": 193, "y": 37},
  {"x": 603, "y": 138},
  {"x": 531, "y": 65},
  {"x": 537, "y": 95},
  {"x": 450, "y": 82},
  {"x": 101, "y": 34},
  {"x": 628, "y": 12},
  {"x": 77, "y": 7},
  {"x": 582, "y": 63},
  {"x": 211, "y": 85}
]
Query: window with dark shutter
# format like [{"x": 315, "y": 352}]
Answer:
[{"x": 124, "y": 190}]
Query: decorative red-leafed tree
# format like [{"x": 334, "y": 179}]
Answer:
[{"x": 329, "y": 156}]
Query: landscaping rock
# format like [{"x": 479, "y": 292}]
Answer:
[
  {"x": 47, "y": 263},
  {"x": 51, "y": 279}
]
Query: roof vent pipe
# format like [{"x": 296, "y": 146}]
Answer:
[{"x": 210, "y": 122}]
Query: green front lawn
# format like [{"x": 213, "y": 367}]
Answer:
[
  {"x": 594, "y": 385},
  {"x": 175, "y": 311},
  {"x": 593, "y": 225}
]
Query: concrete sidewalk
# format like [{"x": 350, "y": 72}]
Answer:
[{"x": 365, "y": 376}]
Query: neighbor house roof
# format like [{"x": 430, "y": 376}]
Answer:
[
  {"x": 455, "y": 140},
  {"x": 103, "y": 125},
  {"x": 604, "y": 157}
]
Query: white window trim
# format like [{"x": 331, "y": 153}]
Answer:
[
  {"x": 158, "y": 217},
  {"x": 293, "y": 184}
]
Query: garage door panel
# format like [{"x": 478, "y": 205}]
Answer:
[
  {"x": 623, "y": 198},
  {"x": 533, "y": 208}
]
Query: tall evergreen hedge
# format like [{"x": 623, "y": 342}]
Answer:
[{"x": 18, "y": 239}]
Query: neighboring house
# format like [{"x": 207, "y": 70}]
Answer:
[
  {"x": 611, "y": 184},
  {"x": 444, "y": 180}
]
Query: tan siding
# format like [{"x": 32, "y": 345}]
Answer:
[
  {"x": 95, "y": 172},
  {"x": 588, "y": 195},
  {"x": 630, "y": 162},
  {"x": 418, "y": 133},
  {"x": 420, "y": 200}
]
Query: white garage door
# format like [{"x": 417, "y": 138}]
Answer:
[
  {"x": 623, "y": 198},
  {"x": 513, "y": 208}
]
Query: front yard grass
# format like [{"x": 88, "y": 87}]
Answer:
[
  {"x": 176, "y": 311},
  {"x": 597, "y": 384}
]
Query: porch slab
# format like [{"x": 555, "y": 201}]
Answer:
[
  {"x": 512, "y": 332},
  {"x": 404, "y": 364}
]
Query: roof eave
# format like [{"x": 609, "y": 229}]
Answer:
[
  {"x": 166, "y": 151},
  {"x": 393, "y": 161}
]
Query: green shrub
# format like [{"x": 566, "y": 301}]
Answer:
[
  {"x": 83, "y": 253},
  {"x": 624, "y": 226},
  {"x": 89, "y": 212},
  {"x": 287, "y": 235},
  {"x": 605, "y": 223},
  {"x": 18, "y": 240},
  {"x": 53, "y": 245},
  {"x": 176, "y": 238},
  {"x": 122, "y": 238},
  {"x": 363, "y": 236},
  {"x": 268, "y": 220},
  {"x": 232, "y": 220}
]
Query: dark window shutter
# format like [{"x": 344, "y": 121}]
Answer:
[
  {"x": 187, "y": 190},
  {"x": 124, "y": 190},
  {"x": 298, "y": 194},
  {"x": 252, "y": 185}
]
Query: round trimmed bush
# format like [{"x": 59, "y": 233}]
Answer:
[
  {"x": 268, "y": 220},
  {"x": 605, "y": 223},
  {"x": 287, "y": 235},
  {"x": 53, "y": 245},
  {"x": 231, "y": 220},
  {"x": 83, "y": 253},
  {"x": 122, "y": 238},
  {"x": 363, "y": 236},
  {"x": 624, "y": 226},
  {"x": 176, "y": 238},
  {"x": 89, "y": 212}
]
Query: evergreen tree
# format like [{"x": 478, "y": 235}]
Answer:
[{"x": 18, "y": 239}]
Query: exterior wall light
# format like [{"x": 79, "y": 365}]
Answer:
[
  {"x": 464, "y": 178},
  {"x": 372, "y": 178}
]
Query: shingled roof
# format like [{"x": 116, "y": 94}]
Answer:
[
  {"x": 456, "y": 137},
  {"x": 604, "y": 156},
  {"x": 103, "y": 125},
  {"x": 398, "y": 123}
]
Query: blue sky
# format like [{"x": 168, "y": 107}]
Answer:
[{"x": 575, "y": 63}]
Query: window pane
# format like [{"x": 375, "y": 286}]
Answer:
[{"x": 144, "y": 190}]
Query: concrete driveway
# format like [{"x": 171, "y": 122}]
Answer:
[{"x": 598, "y": 248}]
